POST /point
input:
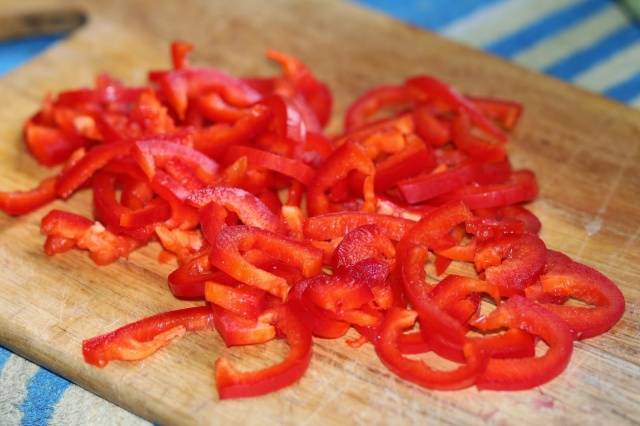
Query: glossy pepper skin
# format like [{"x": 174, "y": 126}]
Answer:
[
  {"x": 563, "y": 278},
  {"x": 526, "y": 373},
  {"x": 398, "y": 320},
  {"x": 226, "y": 255},
  {"x": 140, "y": 339},
  {"x": 18, "y": 203},
  {"x": 348, "y": 157},
  {"x": 232, "y": 383}
]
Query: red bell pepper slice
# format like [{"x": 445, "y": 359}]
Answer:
[
  {"x": 214, "y": 140},
  {"x": 121, "y": 220},
  {"x": 242, "y": 300},
  {"x": 247, "y": 206},
  {"x": 103, "y": 246},
  {"x": 232, "y": 383},
  {"x": 237, "y": 330},
  {"x": 345, "y": 159},
  {"x": 417, "y": 371},
  {"x": 364, "y": 242},
  {"x": 488, "y": 229},
  {"x": 181, "y": 84},
  {"x": 429, "y": 127},
  {"x": 451, "y": 293},
  {"x": 416, "y": 158},
  {"x": 277, "y": 163},
  {"x": 155, "y": 153},
  {"x": 142, "y": 338},
  {"x": 49, "y": 145},
  {"x": 442, "y": 183},
  {"x": 226, "y": 256},
  {"x": 179, "y": 52},
  {"x": 75, "y": 176},
  {"x": 315, "y": 93},
  {"x": 437, "y": 90},
  {"x": 412, "y": 252},
  {"x": 182, "y": 215},
  {"x": 526, "y": 373},
  {"x": 513, "y": 212},
  {"x": 187, "y": 282},
  {"x": 376, "y": 99},
  {"x": 474, "y": 146},
  {"x": 520, "y": 187},
  {"x": 335, "y": 225},
  {"x": 18, "y": 203},
  {"x": 512, "y": 262},
  {"x": 563, "y": 277},
  {"x": 319, "y": 321},
  {"x": 505, "y": 113},
  {"x": 441, "y": 264},
  {"x": 403, "y": 123},
  {"x": 213, "y": 107}
]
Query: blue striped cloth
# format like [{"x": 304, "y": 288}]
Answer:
[{"x": 591, "y": 43}]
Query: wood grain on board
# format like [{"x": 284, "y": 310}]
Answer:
[{"x": 583, "y": 147}]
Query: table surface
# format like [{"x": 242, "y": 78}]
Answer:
[{"x": 591, "y": 43}]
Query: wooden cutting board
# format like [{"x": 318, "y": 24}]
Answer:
[{"x": 583, "y": 147}]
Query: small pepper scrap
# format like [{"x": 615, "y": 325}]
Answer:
[{"x": 283, "y": 231}]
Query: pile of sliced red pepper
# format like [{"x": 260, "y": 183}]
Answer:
[{"x": 285, "y": 232}]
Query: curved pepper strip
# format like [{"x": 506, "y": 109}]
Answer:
[
  {"x": 172, "y": 191},
  {"x": 75, "y": 176},
  {"x": 430, "y": 128},
  {"x": 142, "y": 338},
  {"x": 442, "y": 183},
  {"x": 526, "y": 373},
  {"x": 412, "y": 252},
  {"x": 521, "y": 186},
  {"x": 242, "y": 300},
  {"x": 403, "y": 123},
  {"x": 376, "y": 99},
  {"x": 103, "y": 246},
  {"x": 18, "y": 203},
  {"x": 232, "y": 240},
  {"x": 452, "y": 290},
  {"x": 437, "y": 90},
  {"x": 336, "y": 225},
  {"x": 484, "y": 229},
  {"x": 213, "y": 107},
  {"x": 232, "y": 383},
  {"x": 416, "y": 371},
  {"x": 155, "y": 153},
  {"x": 188, "y": 281},
  {"x": 563, "y": 277},
  {"x": 414, "y": 159},
  {"x": 364, "y": 242},
  {"x": 346, "y": 158},
  {"x": 49, "y": 145},
  {"x": 237, "y": 330},
  {"x": 505, "y": 113},
  {"x": 179, "y": 54},
  {"x": 319, "y": 321},
  {"x": 247, "y": 206},
  {"x": 181, "y": 84},
  {"x": 112, "y": 214},
  {"x": 474, "y": 146},
  {"x": 513, "y": 212},
  {"x": 277, "y": 163},
  {"x": 314, "y": 92},
  {"x": 215, "y": 140},
  {"x": 512, "y": 262}
]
